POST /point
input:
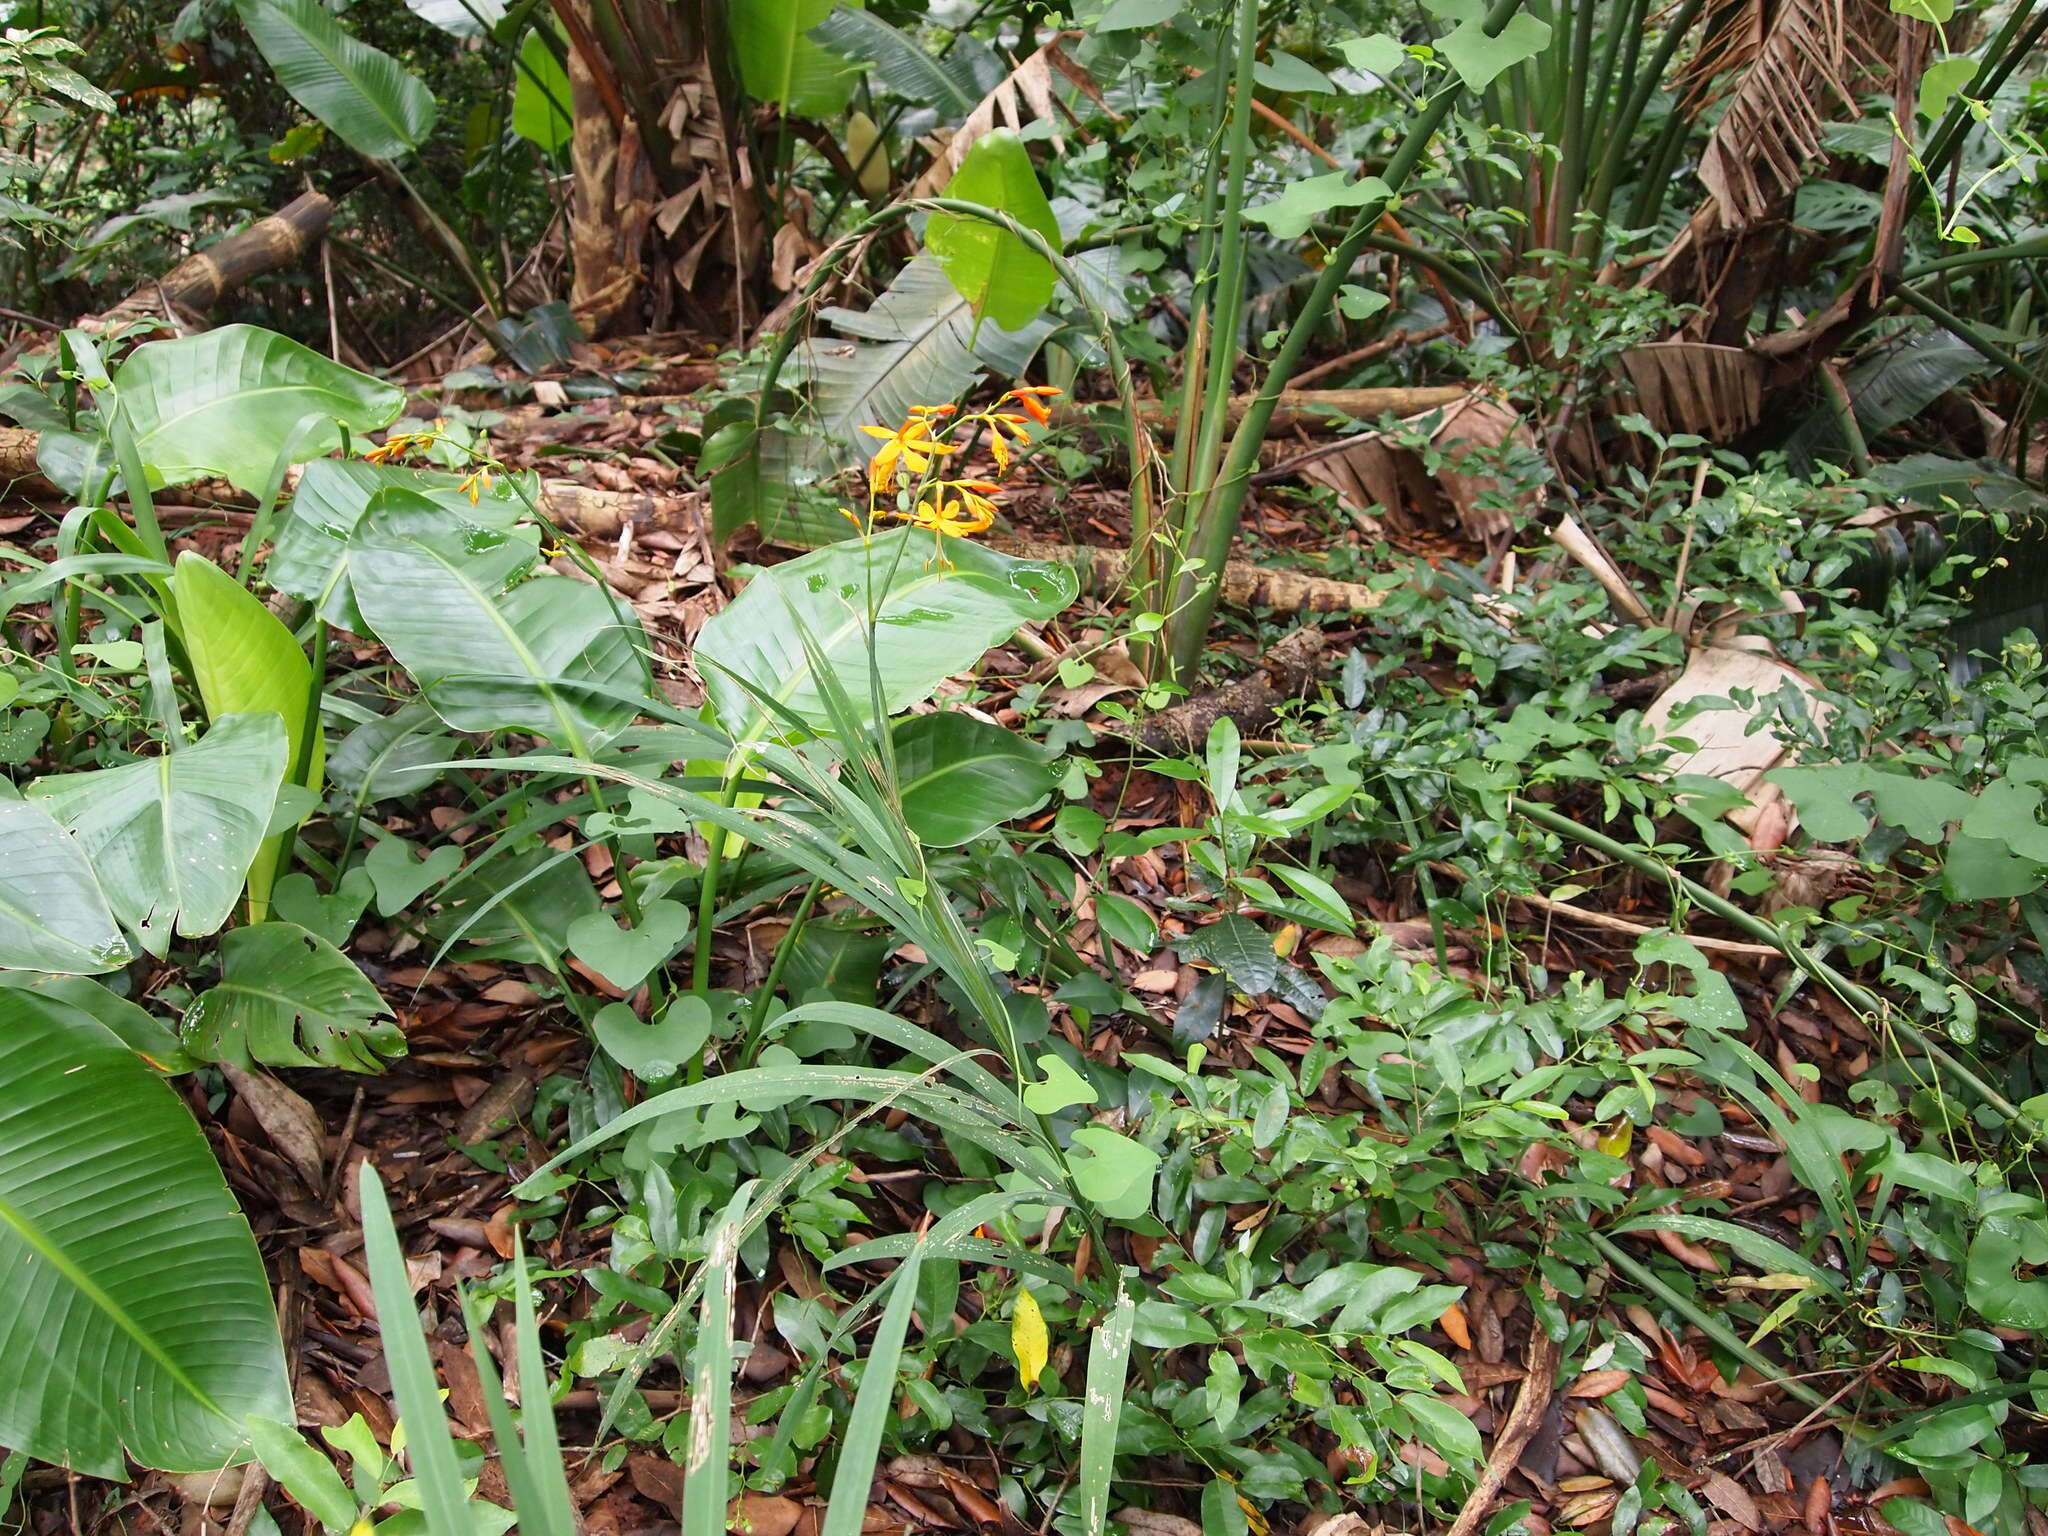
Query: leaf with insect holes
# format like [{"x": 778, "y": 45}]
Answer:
[
  {"x": 1062, "y": 1088},
  {"x": 1030, "y": 1342}
]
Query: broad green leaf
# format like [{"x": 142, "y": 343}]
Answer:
[
  {"x": 172, "y": 838},
  {"x": 924, "y": 621},
  {"x": 540, "y": 96},
  {"x": 1240, "y": 946},
  {"x": 901, "y": 63},
  {"x": 1127, "y": 922},
  {"x": 227, "y": 402},
  {"x": 1825, "y": 798},
  {"x": 1136, "y": 15},
  {"x": 245, "y": 662},
  {"x": 1377, "y": 54},
  {"x": 389, "y": 755},
  {"x": 310, "y": 557},
  {"x": 1002, "y": 278},
  {"x": 1290, "y": 215},
  {"x": 1285, "y": 72},
  {"x": 288, "y": 998},
  {"x": 53, "y": 915},
  {"x": 1713, "y": 1004},
  {"x": 371, "y": 101},
  {"x": 539, "y": 659},
  {"x": 1936, "y": 13},
  {"x": 302, "y": 1472},
  {"x": 1978, "y": 869},
  {"x": 155, "y": 1042},
  {"x": 136, "y": 1310},
  {"x": 780, "y": 65},
  {"x": 961, "y": 776}
]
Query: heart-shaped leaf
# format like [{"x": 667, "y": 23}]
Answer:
[
  {"x": 333, "y": 916},
  {"x": 399, "y": 877},
  {"x": 1112, "y": 1172},
  {"x": 625, "y": 957},
  {"x": 656, "y": 1048},
  {"x": 1061, "y": 1087}
]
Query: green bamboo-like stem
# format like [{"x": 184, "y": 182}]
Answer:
[
  {"x": 1765, "y": 931},
  {"x": 1227, "y": 307},
  {"x": 2020, "y": 250},
  {"x": 2006, "y": 362},
  {"x": 1650, "y": 191},
  {"x": 707, "y": 887},
  {"x": 1571, "y": 166},
  {"x": 1622, "y": 132},
  {"x": 1224, "y": 509}
]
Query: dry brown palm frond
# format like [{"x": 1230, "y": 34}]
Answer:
[
  {"x": 1024, "y": 93},
  {"x": 1780, "y": 67},
  {"x": 1693, "y": 386}
]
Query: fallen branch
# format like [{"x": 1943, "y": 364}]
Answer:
[
  {"x": 202, "y": 280},
  {"x": 1250, "y": 702},
  {"x": 1245, "y": 585},
  {"x": 1531, "y": 1399},
  {"x": 1307, "y": 407}
]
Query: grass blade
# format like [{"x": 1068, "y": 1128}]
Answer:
[
  {"x": 707, "y": 1466},
  {"x": 862, "y": 1445},
  {"x": 532, "y": 1462},
  {"x": 1109, "y": 1359},
  {"x": 432, "y": 1449}
]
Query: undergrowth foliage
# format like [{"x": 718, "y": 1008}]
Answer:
[{"x": 1019, "y": 1035}]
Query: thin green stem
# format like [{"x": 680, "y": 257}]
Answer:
[
  {"x": 757, "y": 1019},
  {"x": 707, "y": 890},
  {"x": 2007, "y": 363},
  {"x": 1765, "y": 931}
]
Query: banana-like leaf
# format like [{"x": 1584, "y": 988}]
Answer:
[
  {"x": 889, "y": 598},
  {"x": 917, "y": 344},
  {"x": 53, "y": 915},
  {"x": 227, "y": 402},
  {"x": 309, "y": 559},
  {"x": 136, "y": 1315},
  {"x": 172, "y": 838},
  {"x": 1003, "y": 279},
  {"x": 372, "y": 102},
  {"x": 960, "y": 776},
  {"x": 459, "y": 18},
  {"x": 245, "y": 662},
  {"x": 952, "y": 86},
  {"x": 782, "y": 66},
  {"x": 553, "y": 656},
  {"x": 288, "y": 998}
]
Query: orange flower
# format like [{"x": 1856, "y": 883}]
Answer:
[
  {"x": 1032, "y": 398},
  {"x": 476, "y": 481},
  {"x": 911, "y": 445}
]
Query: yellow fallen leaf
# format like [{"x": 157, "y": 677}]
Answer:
[
  {"x": 1029, "y": 1341},
  {"x": 1285, "y": 940}
]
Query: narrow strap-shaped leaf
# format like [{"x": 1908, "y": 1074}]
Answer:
[
  {"x": 429, "y": 1444},
  {"x": 1108, "y": 1361},
  {"x": 872, "y": 1405},
  {"x": 707, "y": 1460}
]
